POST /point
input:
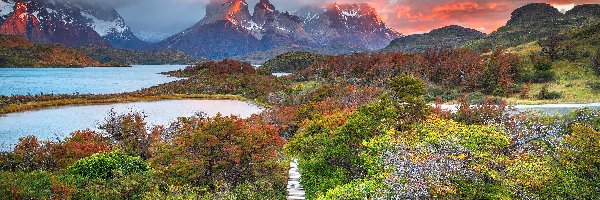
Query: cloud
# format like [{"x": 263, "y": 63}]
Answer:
[{"x": 417, "y": 16}]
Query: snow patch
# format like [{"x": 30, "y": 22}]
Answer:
[
  {"x": 353, "y": 13},
  {"x": 253, "y": 26},
  {"x": 6, "y": 8},
  {"x": 35, "y": 14},
  {"x": 105, "y": 27},
  {"x": 51, "y": 11}
]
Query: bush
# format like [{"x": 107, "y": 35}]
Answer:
[
  {"x": 129, "y": 132},
  {"x": 543, "y": 76},
  {"x": 542, "y": 71},
  {"x": 80, "y": 145},
  {"x": 545, "y": 94},
  {"x": 36, "y": 184},
  {"x": 445, "y": 95},
  {"x": 204, "y": 152},
  {"x": 28, "y": 155},
  {"x": 476, "y": 98},
  {"x": 107, "y": 165},
  {"x": 120, "y": 186}
]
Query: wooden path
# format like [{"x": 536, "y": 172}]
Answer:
[{"x": 294, "y": 188}]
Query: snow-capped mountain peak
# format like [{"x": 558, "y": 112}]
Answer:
[{"x": 67, "y": 22}]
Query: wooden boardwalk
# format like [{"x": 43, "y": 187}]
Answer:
[{"x": 294, "y": 188}]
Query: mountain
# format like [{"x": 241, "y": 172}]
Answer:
[
  {"x": 66, "y": 22},
  {"x": 450, "y": 36},
  {"x": 18, "y": 52},
  {"x": 226, "y": 30},
  {"x": 585, "y": 10},
  {"x": 229, "y": 30},
  {"x": 536, "y": 21},
  {"x": 356, "y": 25}
]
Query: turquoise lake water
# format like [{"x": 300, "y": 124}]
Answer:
[
  {"x": 56, "y": 123},
  {"x": 91, "y": 80}
]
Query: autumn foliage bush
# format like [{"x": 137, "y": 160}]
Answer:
[
  {"x": 493, "y": 73},
  {"x": 203, "y": 152}
]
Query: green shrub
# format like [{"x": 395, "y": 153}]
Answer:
[
  {"x": 444, "y": 95},
  {"x": 543, "y": 76},
  {"x": 545, "y": 94},
  {"x": 106, "y": 165},
  {"x": 34, "y": 185},
  {"x": 476, "y": 98},
  {"x": 543, "y": 71},
  {"x": 356, "y": 190},
  {"x": 120, "y": 186}
]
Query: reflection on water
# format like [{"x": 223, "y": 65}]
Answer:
[
  {"x": 91, "y": 80},
  {"x": 56, "y": 123}
]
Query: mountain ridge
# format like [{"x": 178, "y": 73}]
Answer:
[
  {"x": 229, "y": 30},
  {"x": 71, "y": 23}
]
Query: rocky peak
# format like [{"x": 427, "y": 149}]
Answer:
[
  {"x": 585, "y": 10},
  {"x": 359, "y": 10},
  {"x": 234, "y": 11},
  {"x": 533, "y": 13},
  {"x": 22, "y": 23},
  {"x": 263, "y": 11}
]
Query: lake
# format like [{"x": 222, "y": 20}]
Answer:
[
  {"x": 91, "y": 80},
  {"x": 57, "y": 123}
]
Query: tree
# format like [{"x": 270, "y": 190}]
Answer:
[
  {"x": 408, "y": 93},
  {"x": 128, "y": 132},
  {"x": 204, "y": 152}
]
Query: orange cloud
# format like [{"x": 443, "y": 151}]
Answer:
[{"x": 418, "y": 16}]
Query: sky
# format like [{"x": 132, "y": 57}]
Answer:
[{"x": 405, "y": 16}]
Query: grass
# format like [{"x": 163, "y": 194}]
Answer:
[
  {"x": 11, "y": 108},
  {"x": 572, "y": 81}
]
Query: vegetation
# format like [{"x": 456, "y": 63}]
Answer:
[
  {"x": 17, "y": 52},
  {"x": 359, "y": 124},
  {"x": 200, "y": 157},
  {"x": 136, "y": 57},
  {"x": 291, "y": 62},
  {"x": 20, "y": 103}
]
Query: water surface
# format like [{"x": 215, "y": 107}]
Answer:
[
  {"x": 91, "y": 80},
  {"x": 57, "y": 123},
  {"x": 546, "y": 109}
]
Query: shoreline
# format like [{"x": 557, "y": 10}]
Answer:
[{"x": 15, "y": 108}]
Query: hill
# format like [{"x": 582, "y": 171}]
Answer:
[
  {"x": 18, "y": 52},
  {"x": 450, "y": 36},
  {"x": 137, "y": 57},
  {"x": 533, "y": 22}
]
